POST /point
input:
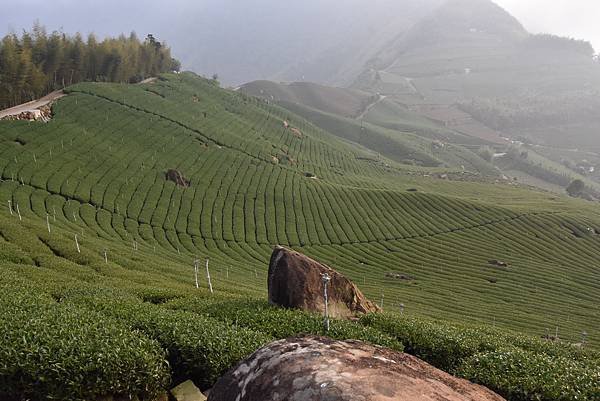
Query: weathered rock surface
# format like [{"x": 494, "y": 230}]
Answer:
[
  {"x": 316, "y": 368},
  {"x": 295, "y": 281},
  {"x": 178, "y": 178},
  {"x": 187, "y": 391}
]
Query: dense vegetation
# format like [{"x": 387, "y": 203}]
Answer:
[
  {"x": 37, "y": 62},
  {"x": 93, "y": 178}
]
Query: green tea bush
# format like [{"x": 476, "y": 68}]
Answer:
[
  {"x": 521, "y": 375},
  {"x": 58, "y": 351},
  {"x": 280, "y": 323},
  {"x": 516, "y": 366},
  {"x": 199, "y": 347}
]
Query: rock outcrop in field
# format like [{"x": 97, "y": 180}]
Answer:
[
  {"x": 295, "y": 281},
  {"x": 177, "y": 177},
  {"x": 318, "y": 368}
]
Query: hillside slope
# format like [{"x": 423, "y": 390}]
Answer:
[
  {"x": 471, "y": 60},
  {"x": 97, "y": 245},
  {"x": 101, "y": 163}
]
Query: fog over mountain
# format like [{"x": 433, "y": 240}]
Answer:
[{"x": 327, "y": 41}]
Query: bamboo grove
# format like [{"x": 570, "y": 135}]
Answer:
[{"x": 36, "y": 63}]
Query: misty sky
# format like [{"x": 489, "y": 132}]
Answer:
[{"x": 574, "y": 18}]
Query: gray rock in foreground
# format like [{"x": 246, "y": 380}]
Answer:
[{"x": 318, "y": 368}]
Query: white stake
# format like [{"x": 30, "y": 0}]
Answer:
[
  {"x": 54, "y": 212},
  {"x": 325, "y": 278},
  {"x": 105, "y": 257},
  {"x": 34, "y": 159},
  {"x": 10, "y": 208},
  {"x": 77, "y": 244},
  {"x": 196, "y": 272},
  {"x": 227, "y": 271},
  {"x": 48, "y": 222},
  {"x": 208, "y": 277},
  {"x": 19, "y": 213},
  {"x": 74, "y": 218}
]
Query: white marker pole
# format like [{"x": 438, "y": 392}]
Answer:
[
  {"x": 19, "y": 213},
  {"x": 325, "y": 278},
  {"x": 208, "y": 277},
  {"x": 54, "y": 213},
  {"x": 105, "y": 257},
  {"x": 77, "y": 244},
  {"x": 48, "y": 222},
  {"x": 10, "y": 208},
  {"x": 196, "y": 271}
]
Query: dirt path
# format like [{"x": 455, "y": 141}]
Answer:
[
  {"x": 369, "y": 107},
  {"x": 148, "y": 80},
  {"x": 34, "y": 104}
]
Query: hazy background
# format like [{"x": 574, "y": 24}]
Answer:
[{"x": 266, "y": 37}]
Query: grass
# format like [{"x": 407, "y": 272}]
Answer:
[{"x": 99, "y": 173}]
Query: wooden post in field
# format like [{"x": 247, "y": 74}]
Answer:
[
  {"x": 208, "y": 277},
  {"x": 10, "y": 208},
  {"x": 19, "y": 213},
  {"x": 77, "y": 244},
  {"x": 48, "y": 222}
]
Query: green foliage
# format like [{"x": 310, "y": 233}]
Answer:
[
  {"x": 37, "y": 63},
  {"x": 518, "y": 367},
  {"x": 576, "y": 188},
  {"x": 280, "y": 323},
  {"x": 199, "y": 347},
  {"x": 486, "y": 153},
  {"x": 520, "y": 375},
  {"x": 99, "y": 174},
  {"x": 54, "y": 351}
]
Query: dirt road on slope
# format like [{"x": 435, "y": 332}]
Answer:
[
  {"x": 33, "y": 105},
  {"x": 369, "y": 107}
]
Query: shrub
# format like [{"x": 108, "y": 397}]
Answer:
[
  {"x": 521, "y": 375},
  {"x": 281, "y": 323},
  {"x": 198, "y": 347},
  {"x": 519, "y": 367},
  {"x": 56, "y": 351}
]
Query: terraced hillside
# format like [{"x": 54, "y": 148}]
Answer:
[{"x": 94, "y": 179}]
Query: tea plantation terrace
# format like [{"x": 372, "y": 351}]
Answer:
[{"x": 97, "y": 249}]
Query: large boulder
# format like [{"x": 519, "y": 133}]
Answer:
[
  {"x": 317, "y": 368},
  {"x": 295, "y": 281}
]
